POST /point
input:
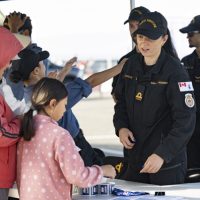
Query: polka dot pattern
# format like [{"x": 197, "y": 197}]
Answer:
[{"x": 49, "y": 164}]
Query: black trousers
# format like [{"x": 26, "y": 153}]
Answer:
[
  {"x": 174, "y": 174},
  {"x": 193, "y": 147},
  {"x": 88, "y": 154},
  {"x": 193, "y": 151}
]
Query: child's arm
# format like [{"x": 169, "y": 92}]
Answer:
[
  {"x": 77, "y": 89},
  {"x": 66, "y": 69},
  {"x": 72, "y": 165},
  {"x": 18, "y": 107},
  {"x": 9, "y": 130},
  {"x": 101, "y": 77}
]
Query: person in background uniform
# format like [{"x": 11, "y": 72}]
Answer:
[
  {"x": 192, "y": 64},
  {"x": 48, "y": 162},
  {"x": 133, "y": 21},
  {"x": 155, "y": 112},
  {"x": 135, "y": 15}
]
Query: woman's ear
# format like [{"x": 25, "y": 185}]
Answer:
[{"x": 165, "y": 38}]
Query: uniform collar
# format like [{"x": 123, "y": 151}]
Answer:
[
  {"x": 194, "y": 53},
  {"x": 158, "y": 65}
]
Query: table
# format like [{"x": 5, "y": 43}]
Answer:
[{"x": 191, "y": 191}]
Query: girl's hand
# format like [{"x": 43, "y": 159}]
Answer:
[{"x": 108, "y": 171}]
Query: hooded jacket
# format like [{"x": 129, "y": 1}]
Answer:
[{"x": 9, "y": 130}]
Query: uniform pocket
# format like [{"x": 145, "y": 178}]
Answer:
[{"x": 171, "y": 167}]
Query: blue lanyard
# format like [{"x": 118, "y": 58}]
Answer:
[{"x": 120, "y": 192}]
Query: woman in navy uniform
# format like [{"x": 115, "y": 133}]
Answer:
[{"x": 155, "y": 113}]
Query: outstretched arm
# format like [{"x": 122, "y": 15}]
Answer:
[
  {"x": 101, "y": 77},
  {"x": 66, "y": 69}
]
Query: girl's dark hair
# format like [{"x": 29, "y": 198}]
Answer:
[
  {"x": 169, "y": 46},
  {"x": 43, "y": 92}
]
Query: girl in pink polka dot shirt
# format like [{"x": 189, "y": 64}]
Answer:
[{"x": 48, "y": 162}]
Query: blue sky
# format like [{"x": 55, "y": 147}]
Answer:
[{"x": 92, "y": 29}]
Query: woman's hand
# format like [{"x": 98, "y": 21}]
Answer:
[
  {"x": 126, "y": 138},
  {"x": 152, "y": 164}
]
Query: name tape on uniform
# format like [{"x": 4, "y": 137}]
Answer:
[{"x": 185, "y": 86}]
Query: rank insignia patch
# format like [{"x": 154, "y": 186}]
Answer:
[{"x": 138, "y": 96}]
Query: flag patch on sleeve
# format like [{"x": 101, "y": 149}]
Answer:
[{"x": 185, "y": 86}]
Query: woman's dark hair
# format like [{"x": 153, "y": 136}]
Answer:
[
  {"x": 169, "y": 46},
  {"x": 43, "y": 92}
]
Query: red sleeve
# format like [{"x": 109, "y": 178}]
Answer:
[{"x": 9, "y": 125}]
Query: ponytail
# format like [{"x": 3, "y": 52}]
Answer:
[
  {"x": 169, "y": 46},
  {"x": 27, "y": 129}
]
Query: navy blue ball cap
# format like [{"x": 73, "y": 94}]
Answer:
[
  {"x": 152, "y": 25},
  {"x": 28, "y": 60},
  {"x": 136, "y": 14},
  {"x": 194, "y": 25}
]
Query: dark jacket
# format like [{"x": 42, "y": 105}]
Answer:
[
  {"x": 115, "y": 78},
  {"x": 161, "y": 121},
  {"x": 192, "y": 65}
]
